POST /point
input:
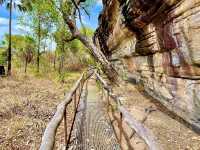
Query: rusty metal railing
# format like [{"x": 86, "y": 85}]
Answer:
[
  {"x": 48, "y": 139},
  {"x": 125, "y": 116}
]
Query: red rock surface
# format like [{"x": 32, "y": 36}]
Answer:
[{"x": 157, "y": 43}]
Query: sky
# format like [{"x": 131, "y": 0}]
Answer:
[
  {"x": 17, "y": 29},
  {"x": 4, "y": 15}
]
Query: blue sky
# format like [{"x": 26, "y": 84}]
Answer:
[
  {"x": 94, "y": 13},
  {"x": 4, "y": 15},
  {"x": 16, "y": 28}
]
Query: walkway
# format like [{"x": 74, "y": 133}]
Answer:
[{"x": 93, "y": 129}]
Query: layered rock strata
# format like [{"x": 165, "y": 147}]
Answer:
[{"x": 157, "y": 42}]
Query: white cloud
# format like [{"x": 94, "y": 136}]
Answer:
[
  {"x": 51, "y": 44},
  {"x": 4, "y": 27},
  {"x": 4, "y": 21},
  {"x": 18, "y": 2},
  {"x": 99, "y": 2},
  {"x": 21, "y": 28}
]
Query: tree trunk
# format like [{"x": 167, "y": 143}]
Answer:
[
  {"x": 25, "y": 67},
  {"x": 10, "y": 38},
  {"x": 59, "y": 68},
  {"x": 61, "y": 64},
  {"x": 107, "y": 67},
  {"x": 63, "y": 57},
  {"x": 54, "y": 61},
  {"x": 39, "y": 40}
]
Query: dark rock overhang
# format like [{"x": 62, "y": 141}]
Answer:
[{"x": 135, "y": 15}]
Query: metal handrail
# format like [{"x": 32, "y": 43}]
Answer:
[
  {"x": 48, "y": 139},
  {"x": 136, "y": 126}
]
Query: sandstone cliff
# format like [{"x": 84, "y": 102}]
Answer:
[{"x": 157, "y": 42}]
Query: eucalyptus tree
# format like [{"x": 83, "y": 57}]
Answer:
[
  {"x": 3, "y": 55},
  {"x": 39, "y": 23},
  {"x": 22, "y": 5},
  {"x": 28, "y": 51},
  {"x": 70, "y": 10},
  {"x": 75, "y": 51},
  {"x": 59, "y": 37},
  {"x": 23, "y": 48}
]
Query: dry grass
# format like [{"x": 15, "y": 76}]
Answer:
[{"x": 26, "y": 105}]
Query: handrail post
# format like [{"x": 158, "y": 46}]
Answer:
[{"x": 65, "y": 128}]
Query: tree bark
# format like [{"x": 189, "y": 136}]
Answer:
[
  {"x": 107, "y": 67},
  {"x": 25, "y": 66},
  {"x": 59, "y": 69},
  {"x": 10, "y": 39},
  {"x": 39, "y": 40},
  {"x": 54, "y": 61}
]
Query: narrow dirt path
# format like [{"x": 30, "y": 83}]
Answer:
[{"x": 93, "y": 130}]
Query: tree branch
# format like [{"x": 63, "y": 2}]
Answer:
[
  {"x": 107, "y": 67},
  {"x": 86, "y": 12},
  {"x": 79, "y": 12}
]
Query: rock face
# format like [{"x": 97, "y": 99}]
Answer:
[{"x": 157, "y": 42}]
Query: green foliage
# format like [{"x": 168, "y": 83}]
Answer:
[
  {"x": 17, "y": 41},
  {"x": 77, "y": 47},
  {"x": 3, "y": 55},
  {"x": 44, "y": 21},
  {"x": 53, "y": 26},
  {"x": 22, "y": 5},
  {"x": 23, "y": 46},
  {"x": 87, "y": 31},
  {"x": 71, "y": 55},
  {"x": 60, "y": 35},
  {"x": 21, "y": 43},
  {"x": 41, "y": 19}
]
